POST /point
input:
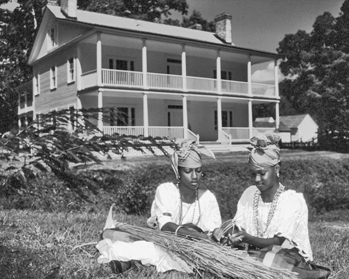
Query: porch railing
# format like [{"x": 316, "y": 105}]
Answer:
[
  {"x": 124, "y": 130},
  {"x": 234, "y": 87},
  {"x": 237, "y": 133},
  {"x": 164, "y": 81},
  {"x": 201, "y": 84},
  {"x": 193, "y": 136},
  {"x": 174, "y": 82},
  {"x": 224, "y": 137},
  {"x": 118, "y": 77},
  {"x": 263, "y": 90},
  {"x": 168, "y": 132}
]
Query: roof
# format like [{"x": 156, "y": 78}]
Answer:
[
  {"x": 292, "y": 121},
  {"x": 122, "y": 23}
]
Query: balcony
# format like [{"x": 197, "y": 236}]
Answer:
[{"x": 132, "y": 79}]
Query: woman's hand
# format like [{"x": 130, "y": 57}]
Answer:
[{"x": 237, "y": 238}]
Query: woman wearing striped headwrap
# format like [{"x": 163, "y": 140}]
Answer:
[
  {"x": 182, "y": 207},
  {"x": 272, "y": 222},
  {"x": 267, "y": 213}
]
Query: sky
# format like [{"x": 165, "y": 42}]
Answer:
[{"x": 262, "y": 24}]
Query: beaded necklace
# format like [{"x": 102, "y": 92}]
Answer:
[
  {"x": 271, "y": 213},
  {"x": 181, "y": 208}
]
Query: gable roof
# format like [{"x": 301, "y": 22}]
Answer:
[
  {"x": 133, "y": 25},
  {"x": 292, "y": 121}
]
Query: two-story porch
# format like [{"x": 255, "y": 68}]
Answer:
[{"x": 173, "y": 89}]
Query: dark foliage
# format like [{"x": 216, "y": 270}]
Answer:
[{"x": 324, "y": 184}]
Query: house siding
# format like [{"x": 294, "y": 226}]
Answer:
[{"x": 64, "y": 95}]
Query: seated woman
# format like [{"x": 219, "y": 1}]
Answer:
[
  {"x": 182, "y": 208},
  {"x": 267, "y": 214}
]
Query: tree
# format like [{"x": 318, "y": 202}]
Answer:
[
  {"x": 48, "y": 145},
  {"x": 17, "y": 35},
  {"x": 316, "y": 69},
  {"x": 196, "y": 18},
  {"x": 149, "y": 10}
]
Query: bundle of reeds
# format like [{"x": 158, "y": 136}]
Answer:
[{"x": 205, "y": 256}]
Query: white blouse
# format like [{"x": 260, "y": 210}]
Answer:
[
  {"x": 166, "y": 208},
  {"x": 290, "y": 218}
]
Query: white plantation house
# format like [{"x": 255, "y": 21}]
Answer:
[{"x": 170, "y": 81}]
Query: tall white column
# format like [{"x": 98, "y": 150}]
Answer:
[
  {"x": 145, "y": 115},
  {"x": 99, "y": 59},
  {"x": 184, "y": 69},
  {"x": 218, "y": 71},
  {"x": 249, "y": 75},
  {"x": 78, "y": 68},
  {"x": 277, "y": 112},
  {"x": 100, "y": 114},
  {"x": 250, "y": 119},
  {"x": 219, "y": 117},
  {"x": 144, "y": 64},
  {"x": 185, "y": 116}
]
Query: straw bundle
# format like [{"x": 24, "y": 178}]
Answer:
[{"x": 205, "y": 256}]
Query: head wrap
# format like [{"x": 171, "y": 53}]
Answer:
[
  {"x": 188, "y": 154},
  {"x": 265, "y": 152}
]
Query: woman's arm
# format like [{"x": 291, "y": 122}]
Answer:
[
  {"x": 182, "y": 230},
  {"x": 259, "y": 242}
]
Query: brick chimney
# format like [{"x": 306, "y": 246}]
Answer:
[
  {"x": 69, "y": 7},
  {"x": 223, "y": 27}
]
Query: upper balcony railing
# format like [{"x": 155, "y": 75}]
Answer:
[{"x": 121, "y": 78}]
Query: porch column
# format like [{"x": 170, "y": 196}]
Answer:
[
  {"x": 277, "y": 112},
  {"x": 144, "y": 64},
  {"x": 184, "y": 69},
  {"x": 145, "y": 115},
  {"x": 249, "y": 75},
  {"x": 218, "y": 72},
  {"x": 100, "y": 113},
  {"x": 99, "y": 59},
  {"x": 185, "y": 116},
  {"x": 250, "y": 119},
  {"x": 78, "y": 68},
  {"x": 219, "y": 117}
]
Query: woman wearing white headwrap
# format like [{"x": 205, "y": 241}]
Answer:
[
  {"x": 184, "y": 208},
  {"x": 266, "y": 212}
]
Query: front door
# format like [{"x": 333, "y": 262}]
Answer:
[{"x": 175, "y": 115}]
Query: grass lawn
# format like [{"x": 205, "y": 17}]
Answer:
[{"x": 41, "y": 245}]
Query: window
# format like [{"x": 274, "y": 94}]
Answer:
[
  {"x": 119, "y": 64},
  {"x": 53, "y": 78},
  {"x": 227, "y": 119},
  {"x": 52, "y": 34},
  {"x": 225, "y": 75},
  {"x": 36, "y": 84},
  {"x": 122, "y": 116},
  {"x": 71, "y": 70},
  {"x": 29, "y": 97}
]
